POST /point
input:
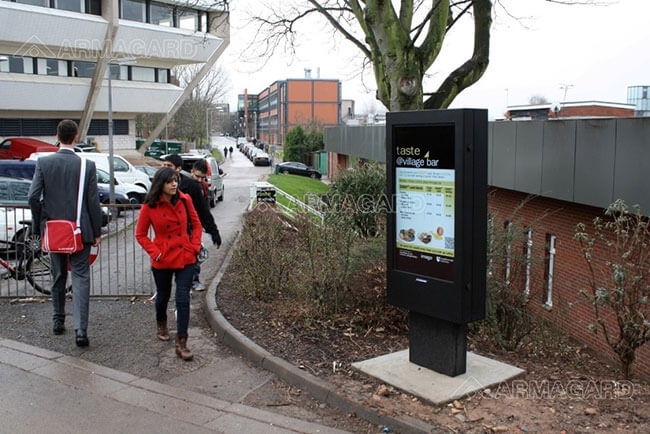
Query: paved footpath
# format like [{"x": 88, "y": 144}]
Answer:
[{"x": 47, "y": 392}]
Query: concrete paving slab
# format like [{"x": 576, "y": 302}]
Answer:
[
  {"x": 226, "y": 379},
  {"x": 21, "y": 360},
  {"x": 280, "y": 421},
  {"x": 396, "y": 369},
  {"x": 30, "y": 404},
  {"x": 123, "y": 377},
  {"x": 231, "y": 423},
  {"x": 80, "y": 378},
  {"x": 181, "y": 393},
  {"x": 163, "y": 404},
  {"x": 30, "y": 349}
]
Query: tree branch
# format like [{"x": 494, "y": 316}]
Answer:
[
  {"x": 428, "y": 51},
  {"x": 325, "y": 12},
  {"x": 468, "y": 73}
]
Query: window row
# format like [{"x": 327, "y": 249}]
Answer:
[
  {"x": 144, "y": 11},
  {"x": 93, "y": 7},
  {"x": 14, "y": 127},
  {"x": 79, "y": 68}
]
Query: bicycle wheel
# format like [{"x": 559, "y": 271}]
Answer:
[{"x": 37, "y": 270}]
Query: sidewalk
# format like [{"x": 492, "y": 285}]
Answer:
[{"x": 45, "y": 391}]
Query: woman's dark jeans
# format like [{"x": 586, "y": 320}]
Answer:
[{"x": 163, "y": 279}]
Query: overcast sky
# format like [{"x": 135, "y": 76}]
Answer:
[{"x": 591, "y": 52}]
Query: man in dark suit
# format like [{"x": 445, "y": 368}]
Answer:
[{"x": 53, "y": 196}]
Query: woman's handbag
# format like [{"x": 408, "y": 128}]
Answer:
[{"x": 64, "y": 236}]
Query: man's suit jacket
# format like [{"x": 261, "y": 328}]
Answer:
[{"x": 54, "y": 190}]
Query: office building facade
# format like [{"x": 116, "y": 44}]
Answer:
[{"x": 56, "y": 57}]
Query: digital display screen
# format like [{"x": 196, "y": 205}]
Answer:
[{"x": 424, "y": 179}]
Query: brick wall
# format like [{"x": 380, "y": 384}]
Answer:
[
  {"x": 570, "y": 310},
  {"x": 594, "y": 111}
]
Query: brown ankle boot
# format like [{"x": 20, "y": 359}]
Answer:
[
  {"x": 181, "y": 348},
  {"x": 163, "y": 333}
]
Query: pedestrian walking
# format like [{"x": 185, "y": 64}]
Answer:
[
  {"x": 225, "y": 152},
  {"x": 193, "y": 186},
  {"x": 173, "y": 250},
  {"x": 230, "y": 149},
  {"x": 54, "y": 195}
]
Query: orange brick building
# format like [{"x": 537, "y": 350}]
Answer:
[{"x": 292, "y": 102}]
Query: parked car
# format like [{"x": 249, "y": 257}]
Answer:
[
  {"x": 13, "y": 191},
  {"x": 85, "y": 148},
  {"x": 148, "y": 170},
  {"x": 214, "y": 179},
  {"x": 122, "y": 169},
  {"x": 242, "y": 140},
  {"x": 261, "y": 158},
  {"x": 20, "y": 148},
  {"x": 296, "y": 168},
  {"x": 135, "y": 193}
]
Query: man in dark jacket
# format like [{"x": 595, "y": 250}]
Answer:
[
  {"x": 193, "y": 186},
  {"x": 53, "y": 195}
]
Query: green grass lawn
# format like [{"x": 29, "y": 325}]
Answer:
[{"x": 297, "y": 186}]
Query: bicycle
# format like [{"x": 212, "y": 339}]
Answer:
[{"x": 31, "y": 262}]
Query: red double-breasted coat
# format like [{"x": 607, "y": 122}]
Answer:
[{"x": 171, "y": 247}]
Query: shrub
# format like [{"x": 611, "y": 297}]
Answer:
[
  {"x": 508, "y": 320},
  {"x": 326, "y": 268},
  {"x": 621, "y": 285},
  {"x": 357, "y": 197},
  {"x": 265, "y": 254}
]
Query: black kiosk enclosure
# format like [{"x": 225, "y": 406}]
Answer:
[{"x": 436, "y": 240}]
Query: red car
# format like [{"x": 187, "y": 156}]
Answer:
[{"x": 20, "y": 148}]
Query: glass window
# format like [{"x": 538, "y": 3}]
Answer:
[
  {"x": 44, "y": 3},
  {"x": 120, "y": 165},
  {"x": 139, "y": 73},
  {"x": 52, "y": 67},
  {"x": 133, "y": 10},
  {"x": 17, "y": 64},
  {"x": 188, "y": 19},
  {"x": 204, "y": 21},
  {"x": 20, "y": 191},
  {"x": 94, "y": 7},
  {"x": 115, "y": 71},
  {"x": 550, "y": 268},
  {"x": 70, "y": 5},
  {"x": 161, "y": 14},
  {"x": 103, "y": 177},
  {"x": 83, "y": 69},
  {"x": 163, "y": 75}
]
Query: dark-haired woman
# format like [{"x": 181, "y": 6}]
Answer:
[{"x": 173, "y": 250}]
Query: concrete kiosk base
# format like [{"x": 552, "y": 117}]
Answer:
[{"x": 396, "y": 369}]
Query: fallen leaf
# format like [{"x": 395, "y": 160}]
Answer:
[
  {"x": 456, "y": 411},
  {"x": 590, "y": 411},
  {"x": 457, "y": 404}
]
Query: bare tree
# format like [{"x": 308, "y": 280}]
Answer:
[
  {"x": 190, "y": 120},
  {"x": 537, "y": 99},
  {"x": 400, "y": 39}
]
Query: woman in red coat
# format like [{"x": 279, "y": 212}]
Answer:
[{"x": 173, "y": 250}]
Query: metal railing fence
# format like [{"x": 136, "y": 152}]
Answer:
[{"x": 122, "y": 267}]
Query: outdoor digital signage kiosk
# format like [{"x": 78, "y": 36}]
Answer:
[{"x": 437, "y": 181}]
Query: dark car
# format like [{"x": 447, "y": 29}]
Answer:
[{"x": 296, "y": 168}]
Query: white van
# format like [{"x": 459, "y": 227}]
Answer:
[{"x": 123, "y": 170}]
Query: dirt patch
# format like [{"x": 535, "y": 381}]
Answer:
[{"x": 564, "y": 389}]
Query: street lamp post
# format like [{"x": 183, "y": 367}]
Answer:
[{"x": 121, "y": 61}]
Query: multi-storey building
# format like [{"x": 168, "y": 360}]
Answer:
[
  {"x": 56, "y": 57},
  {"x": 639, "y": 96},
  {"x": 291, "y": 102}
]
